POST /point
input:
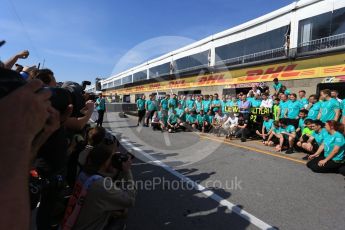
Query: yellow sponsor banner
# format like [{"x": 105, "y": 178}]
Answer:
[{"x": 310, "y": 68}]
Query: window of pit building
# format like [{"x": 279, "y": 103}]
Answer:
[
  {"x": 265, "y": 46},
  {"x": 159, "y": 70},
  {"x": 139, "y": 76},
  {"x": 322, "y": 31},
  {"x": 192, "y": 62},
  {"x": 127, "y": 79},
  {"x": 117, "y": 82}
]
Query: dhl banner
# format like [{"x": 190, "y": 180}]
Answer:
[{"x": 310, "y": 68}]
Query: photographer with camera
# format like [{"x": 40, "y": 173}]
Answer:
[{"x": 98, "y": 200}]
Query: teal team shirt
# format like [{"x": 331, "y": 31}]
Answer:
[
  {"x": 151, "y": 105},
  {"x": 191, "y": 118},
  {"x": 182, "y": 103},
  {"x": 140, "y": 104},
  {"x": 100, "y": 104},
  {"x": 164, "y": 104},
  {"x": 268, "y": 124},
  {"x": 209, "y": 118},
  {"x": 206, "y": 104},
  {"x": 319, "y": 136},
  {"x": 180, "y": 113},
  {"x": 256, "y": 103},
  {"x": 172, "y": 103},
  {"x": 190, "y": 104},
  {"x": 162, "y": 117},
  {"x": 276, "y": 130},
  {"x": 330, "y": 141},
  {"x": 293, "y": 109},
  {"x": 314, "y": 111},
  {"x": 283, "y": 105},
  {"x": 288, "y": 129},
  {"x": 172, "y": 118},
  {"x": 328, "y": 109},
  {"x": 218, "y": 103},
  {"x": 301, "y": 123},
  {"x": 304, "y": 101},
  {"x": 198, "y": 105},
  {"x": 277, "y": 87},
  {"x": 200, "y": 118}
]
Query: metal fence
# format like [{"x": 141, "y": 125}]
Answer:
[
  {"x": 264, "y": 55},
  {"x": 322, "y": 43}
]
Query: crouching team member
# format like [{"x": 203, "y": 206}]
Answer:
[
  {"x": 172, "y": 121},
  {"x": 242, "y": 128},
  {"x": 274, "y": 137},
  {"x": 287, "y": 136},
  {"x": 266, "y": 128},
  {"x": 333, "y": 148},
  {"x": 306, "y": 132},
  {"x": 230, "y": 125},
  {"x": 191, "y": 120},
  {"x": 202, "y": 122},
  {"x": 315, "y": 139},
  {"x": 98, "y": 200},
  {"x": 155, "y": 122}
]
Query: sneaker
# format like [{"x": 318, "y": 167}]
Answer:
[
  {"x": 289, "y": 151},
  {"x": 306, "y": 157},
  {"x": 243, "y": 139}
]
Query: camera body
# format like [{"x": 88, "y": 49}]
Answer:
[{"x": 118, "y": 159}]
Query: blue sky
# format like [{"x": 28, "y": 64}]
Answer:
[{"x": 81, "y": 40}]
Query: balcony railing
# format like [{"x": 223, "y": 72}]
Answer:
[
  {"x": 322, "y": 43},
  {"x": 264, "y": 55}
]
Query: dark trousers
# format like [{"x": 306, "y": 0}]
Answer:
[
  {"x": 141, "y": 115},
  {"x": 242, "y": 133},
  {"x": 100, "y": 117},
  {"x": 329, "y": 167},
  {"x": 149, "y": 116}
]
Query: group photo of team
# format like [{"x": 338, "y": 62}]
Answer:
[{"x": 287, "y": 121}]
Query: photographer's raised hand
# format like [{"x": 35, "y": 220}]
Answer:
[
  {"x": 77, "y": 124},
  {"x": 21, "y": 55}
]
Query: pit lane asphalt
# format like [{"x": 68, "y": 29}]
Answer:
[{"x": 280, "y": 192}]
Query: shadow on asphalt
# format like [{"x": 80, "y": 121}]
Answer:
[{"x": 170, "y": 205}]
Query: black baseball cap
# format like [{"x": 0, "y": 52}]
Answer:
[{"x": 2, "y": 42}]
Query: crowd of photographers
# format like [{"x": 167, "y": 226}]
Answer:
[
  {"x": 52, "y": 161},
  {"x": 280, "y": 118}
]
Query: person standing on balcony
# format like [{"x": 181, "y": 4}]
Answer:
[{"x": 276, "y": 86}]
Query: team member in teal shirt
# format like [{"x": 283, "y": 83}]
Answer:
[
  {"x": 183, "y": 102},
  {"x": 172, "y": 122},
  {"x": 266, "y": 128},
  {"x": 141, "y": 109},
  {"x": 316, "y": 138},
  {"x": 192, "y": 120},
  {"x": 172, "y": 103},
  {"x": 287, "y": 137},
  {"x": 216, "y": 103},
  {"x": 330, "y": 108},
  {"x": 314, "y": 107},
  {"x": 151, "y": 105},
  {"x": 201, "y": 118},
  {"x": 209, "y": 118},
  {"x": 198, "y": 104},
  {"x": 164, "y": 103},
  {"x": 294, "y": 107},
  {"x": 333, "y": 147},
  {"x": 283, "y": 106},
  {"x": 256, "y": 101},
  {"x": 276, "y": 86},
  {"x": 343, "y": 110},
  {"x": 180, "y": 112},
  {"x": 206, "y": 103},
  {"x": 228, "y": 105},
  {"x": 190, "y": 103},
  {"x": 303, "y": 100}
]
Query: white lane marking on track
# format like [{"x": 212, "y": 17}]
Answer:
[
  {"x": 166, "y": 139},
  {"x": 208, "y": 193}
]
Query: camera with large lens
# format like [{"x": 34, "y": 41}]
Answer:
[{"x": 118, "y": 159}]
